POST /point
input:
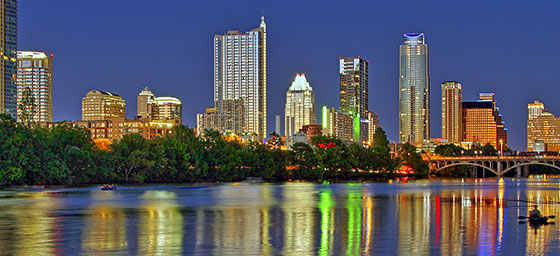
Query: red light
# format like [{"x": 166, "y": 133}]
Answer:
[{"x": 52, "y": 55}]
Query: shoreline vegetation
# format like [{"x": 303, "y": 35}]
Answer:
[{"x": 66, "y": 155}]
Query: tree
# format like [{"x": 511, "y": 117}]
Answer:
[
  {"x": 449, "y": 150},
  {"x": 409, "y": 157},
  {"x": 27, "y": 108},
  {"x": 382, "y": 152}
]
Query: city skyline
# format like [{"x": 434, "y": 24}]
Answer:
[{"x": 478, "y": 66}]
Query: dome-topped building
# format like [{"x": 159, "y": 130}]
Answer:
[{"x": 300, "y": 106}]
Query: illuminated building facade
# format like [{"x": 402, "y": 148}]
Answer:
[
  {"x": 35, "y": 72},
  {"x": 240, "y": 74},
  {"x": 229, "y": 120},
  {"x": 158, "y": 108},
  {"x": 482, "y": 122},
  {"x": 8, "y": 63},
  {"x": 144, "y": 102},
  {"x": 543, "y": 128},
  {"x": 535, "y": 109},
  {"x": 97, "y": 105},
  {"x": 338, "y": 124},
  {"x": 414, "y": 89},
  {"x": 373, "y": 124},
  {"x": 354, "y": 94},
  {"x": 114, "y": 129},
  {"x": 300, "y": 106},
  {"x": 451, "y": 121}
]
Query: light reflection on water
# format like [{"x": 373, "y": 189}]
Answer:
[{"x": 443, "y": 217}]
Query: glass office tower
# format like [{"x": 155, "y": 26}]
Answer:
[{"x": 414, "y": 90}]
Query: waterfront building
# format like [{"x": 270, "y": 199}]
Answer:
[
  {"x": 338, "y": 124},
  {"x": 229, "y": 120},
  {"x": 373, "y": 124},
  {"x": 144, "y": 102},
  {"x": 240, "y": 75},
  {"x": 34, "y": 71},
  {"x": 543, "y": 129},
  {"x": 354, "y": 94},
  {"x": 98, "y": 105},
  {"x": 482, "y": 122},
  {"x": 535, "y": 109},
  {"x": 158, "y": 108},
  {"x": 451, "y": 111},
  {"x": 414, "y": 89},
  {"x": 8, "y": 62},
  {"x": 300, "y": 106}
]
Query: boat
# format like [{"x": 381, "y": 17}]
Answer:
[
  {"x": 109, "y": 187},
  {"x": 538, "y": 220}
]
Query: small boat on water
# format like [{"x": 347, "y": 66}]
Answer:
[
  {"x": 109, "y": 187},
  {"x": 538, "y": 220}
]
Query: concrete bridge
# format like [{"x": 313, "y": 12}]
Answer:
[{"x": 495, "y": 164}]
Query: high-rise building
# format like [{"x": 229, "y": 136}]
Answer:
[
  {"x": 240, "y": 74},
  {"x": 8, "y": 62},
  {"x": 542, "y": 128},
  {"x": 535, "y": 109},
  {"x": 144, "y": 103},
  {"x": 373, "y": 124},
  {"x": 414, "y": 90},
  {"x": 35, "y": 72},
  {"x": 482, "y": 122},
  {"x": 451, "y": 111},
  {"x": 300, "y": 106},
  {"x": 158, "y": 108},
  {"x": 97, "y": 105},
  {"x": 229, "y": 120},
  {"x": 354, "y": 94},
  {"x": 337, "y": 123},
  {"x": 167, "y": 108},
  {"x": 354, "y": 86},
  {"x": 278, "y": 124}
]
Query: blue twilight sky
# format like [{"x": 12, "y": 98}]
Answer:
[{"x": 507, "y": 47}]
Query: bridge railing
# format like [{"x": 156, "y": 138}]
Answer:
[{"x": 433, "y": 158}]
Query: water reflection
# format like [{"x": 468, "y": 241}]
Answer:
[
  {"x": 468, "y": 217},
  {"x": 161, "y": 224}
]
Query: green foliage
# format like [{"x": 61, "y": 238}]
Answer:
[
  {"x": 64, "y": 154},
  {"x": 450, "y": 150},
  {"x": 409, "y": 157}
]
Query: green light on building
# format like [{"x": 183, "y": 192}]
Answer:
[{"x": 325, "y": 121}]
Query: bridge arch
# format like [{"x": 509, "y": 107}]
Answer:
[
  {"x": 528, "y": 163},
  {"x": 471, "y": 164}
]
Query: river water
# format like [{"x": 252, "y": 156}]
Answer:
[{"x": 438, "y": 217}]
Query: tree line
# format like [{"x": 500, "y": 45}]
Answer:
[{"x": 64, "y": 154}]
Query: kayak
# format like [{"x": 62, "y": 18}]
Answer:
[
  {"x": 541, "y": 220},
  {"x": 109, "y": 188}
]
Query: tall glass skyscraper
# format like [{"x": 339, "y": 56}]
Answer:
[
  {"x": 8, "y": 63},
  {"x": 300, "y": 106},
  {"x": 414, "y": 90},
  {"x": 240, "y": 74},
  {"x": 354, "y": 94}
]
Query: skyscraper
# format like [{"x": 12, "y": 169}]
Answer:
[
  {"x": 354, "y": 94},
  {"x": 482, "y": 122},
  {"x": 414, "y": 89},
  {"x": 300, "y": 106},
  {"x": 97, "y": 105},
  {"x": 35, "y": 72},
  {"x": 542, "y": 127},
  {"x": 451, "y": 111},
  {"x": 240, "y": 74},
  {"x": 354, "y": 86},
  {"x": 8, "y": 64},
  {"x": 535, "y": 109}
]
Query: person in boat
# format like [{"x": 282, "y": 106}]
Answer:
[{"x": 535, "y": 213}]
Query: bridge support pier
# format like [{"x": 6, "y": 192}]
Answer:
[
  {"x": 525, "y": 171},
  {"x": 518, "y": 172}
]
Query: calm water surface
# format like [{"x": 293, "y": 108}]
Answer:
[{"x": 455, "y": 217}]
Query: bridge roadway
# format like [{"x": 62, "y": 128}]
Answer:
[{"x": 495, "y": 164}]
